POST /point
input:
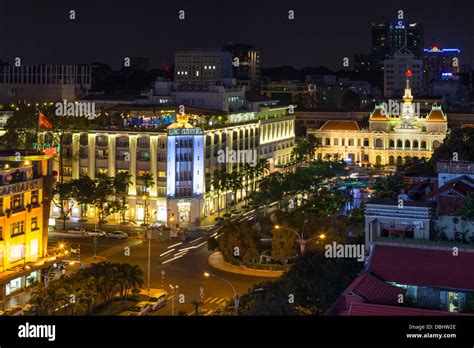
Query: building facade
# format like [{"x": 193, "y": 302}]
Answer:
[
  {"x": 43, "y": 83},
  {"x": 395, "y": 70},
  {"x": 25, "y": 187},
  {"x": 182, "y": 158},
  {"x": 397, "y": 133}
]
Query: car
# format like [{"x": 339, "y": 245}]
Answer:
[
  {"x": 13, "y": 311},
  {"x": 95, "y": 233},
  {"x": 116, "y": 235},
  {"x": 158, "y": 300},
  {"x": 77, "y": 230},
  {"x": 140, "y": 309}
]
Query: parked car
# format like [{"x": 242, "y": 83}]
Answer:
[
  {"x": 12, "y": 311},
  {"x": 116, "y": 235},
  {"x": 77, "y": 230},
  {"x": 140, "y": 309},
  {"x": 95, "y": 233},
  {"x": 158, "y": 300}
]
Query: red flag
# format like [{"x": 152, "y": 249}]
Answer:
[
  {"x": 44, "y": 122},
  {"x": 409, "y": 73}
]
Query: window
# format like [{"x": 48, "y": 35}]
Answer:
[
  {"x": 13, "y": 285},
  {"x": 343, "y": 142},
  {"x": 17, "y": 252},
  {"x": 328, "y": 142},
  {"x": 84, "y": 171},
  {"x": 103, "y": 171},
  {"x": 17, "y": 228},
  {"x": 34, "y": 224},
  {"x": 34, "y": 247},
  {"x": 17, "y": 201},
  {"x": 35, "y": 197},
  {"x": 32, "y": 278},
  {"x": 162, "y": 174},
  {"x": 366, "y": 142},
  {"x": 351, "y": 142},
  {"x": 336, "y": 141}
]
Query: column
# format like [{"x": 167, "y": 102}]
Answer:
[
  {"x": 75, "y": 152},
  {"x": 132, "y": 189},
  {"x": 112, "y": 144},
  {"x": 154, "y": 164},
  {"x": 91, "y": 154}
]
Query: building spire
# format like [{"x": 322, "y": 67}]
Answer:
[{"x": 407, "y": 98}]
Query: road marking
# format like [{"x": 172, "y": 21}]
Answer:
[
  {"x": 174, "y": 258},
  {"x": 181, "y": 253},
  {"x": 214, "y": 300},
  {"x": 186, "y": 249},
  {"x": 171, "y": 246},
  {"x": 194, "y": 241},
  {"x": 167, "y": 252},
  {"x": 208, "y": 299},
  {"x": 200, "y": 245},
  {"x": 222, "y": 299}
]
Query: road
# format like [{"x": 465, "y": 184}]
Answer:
[{"x": 183, "y": 264}]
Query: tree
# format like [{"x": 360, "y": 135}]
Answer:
[
  {"x": 314, "y": 282},
  {"x": 83, "y": 192},
  {"x": 467, "y": 210},
  {"x": 217, "y": 184},
  {"x": 235, "y": 184},
  {"x": 63, "y": 199},
  {"x": 121, "y": 183},
  {"x": 283, "y": 244},
  {"x": 389, "y": 186},
  {"x": 103, "y": 191}
]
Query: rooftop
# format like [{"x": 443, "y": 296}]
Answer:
[{"x": 340, "y": 125}]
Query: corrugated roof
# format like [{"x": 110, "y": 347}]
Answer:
[{"x": 424, "y": 266}]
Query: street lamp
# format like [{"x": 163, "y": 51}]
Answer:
[
  {"x": 173, "y": 288},
  {"x": 236, "y": 298},
  {"x": 301, "y": 241}
]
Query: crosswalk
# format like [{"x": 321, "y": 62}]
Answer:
[{"x": 216, "y": 300}]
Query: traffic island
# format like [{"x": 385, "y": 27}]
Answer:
[{"x": 216, "y": 260}]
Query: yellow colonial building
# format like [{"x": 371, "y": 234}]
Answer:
[
  {"x": 397, "y": 133},
  {"x": 23, "y": 221}
]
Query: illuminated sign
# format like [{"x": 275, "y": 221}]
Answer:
[
  {"x": 47, "y": 148},
  {"x": 19, "y": 187},
  {"x": 185, "y": 131}
]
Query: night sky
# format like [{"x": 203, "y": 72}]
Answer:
[{"x": 323, "y": 32}]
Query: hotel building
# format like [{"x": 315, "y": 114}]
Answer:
[
  {"x": 397, "y": 133},
  {"x": 25, "y": 191},
  {"x": 181, "y": 151}
]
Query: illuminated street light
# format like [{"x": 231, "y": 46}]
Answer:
[{"x": 236, "y": 297}]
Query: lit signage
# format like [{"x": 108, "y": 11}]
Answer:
[
  {"x": 185, "y": 131},
  {"x": 19, "y": 187},
  {"x": 47, "y": 149}
]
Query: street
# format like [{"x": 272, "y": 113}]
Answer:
[{"x": 183, "y": 263}]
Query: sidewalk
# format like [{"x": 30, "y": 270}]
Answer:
[{"x": 217, "y": 261}]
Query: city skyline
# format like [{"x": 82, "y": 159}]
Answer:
[{"x": 320, "y": 34}]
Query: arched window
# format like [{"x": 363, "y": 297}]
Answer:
[
  {"x": 436, "y": 144},
  {"x": 407, "y": 144},
  {"x": 391, "y": 143},
  {"x": 391, "y": 160},
  {"x": 423, "y": 144},
  {"x": 378, "y": 143},
  {"x": 415, "y": 144},
  {"x": 399, "y": 143},
  {"x": 399, "y": 160}
]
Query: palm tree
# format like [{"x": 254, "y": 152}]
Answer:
[
  {"x": 130, "y": 277},
  {"x": 148, "y": 182},
  {"x": 235, "y": 184},
  {"x": 389, "y": 187},
  {"x": 217, "y": 186}
]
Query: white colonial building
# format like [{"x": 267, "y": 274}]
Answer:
[{"x": 397, "y": 133}]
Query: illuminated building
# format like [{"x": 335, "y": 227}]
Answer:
[
  {"x": 181, "y": 151},
  {"x": 43, "y": 82},
  {"x": 248, "y": 66},
  {"x": 25, "y": 190},
  {"x": 395, "y": 72},
  {"x": 441, "y": 63},
  {"x": 397, "y": 133},
  {"x": 201, "y": 65}
]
